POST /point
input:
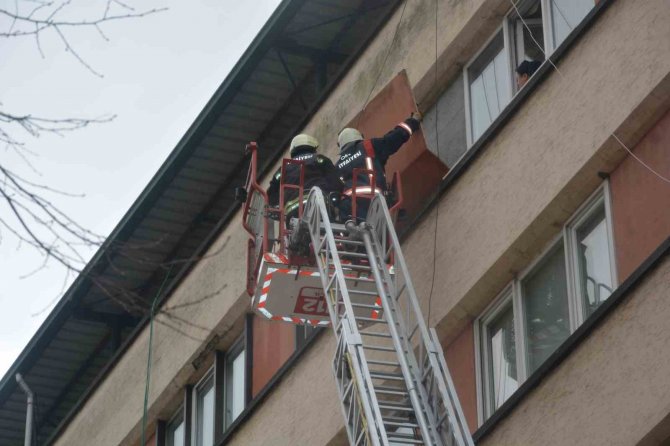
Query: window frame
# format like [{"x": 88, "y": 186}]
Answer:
[
  {"x": 209, "y": 375},
  {"x": 466, "y": 82},
  {"x": 600, "y": 197},
  {"x": 238, "y": 347},
  {"x": 565, "y": 239},
  {"x": 178, "y": 417}
]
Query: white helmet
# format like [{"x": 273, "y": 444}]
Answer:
[
  {"x": 302, "y": 141},
  {"x": 348, "y": 135}
]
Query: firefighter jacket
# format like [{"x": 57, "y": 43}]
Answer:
[
  {"x": 319, "y": 171},
  {"x": 372, "y": 155}
]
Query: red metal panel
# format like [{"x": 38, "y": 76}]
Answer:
[
  {"x": 273, "y": 344},
  {"x": 460, "y": 357},
  {"x": 421, "y": 171},
  {"x": 641, "y": 201}
]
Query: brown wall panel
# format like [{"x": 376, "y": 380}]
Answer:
[
  {"x": 460, "y": 357},
  {"x": 420, "y": 170},
  {"x": 641, "y": 201},
  {"x": 273, "y": 343}
]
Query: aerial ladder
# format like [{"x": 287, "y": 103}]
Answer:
[{"x": 392, "y": 379}]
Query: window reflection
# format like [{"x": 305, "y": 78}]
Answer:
[
  {"x": 234, "y": 391},
  {"x": 594, "y": 261},
  {"x": 566, "y": 15},
  {"x": 205, "y": 414},
  {"x": 502, "y": 357},
  {"x": 545, "y": 298},
  {"x": 175, "y": 432},
  {"x": 489, "y": 86}
]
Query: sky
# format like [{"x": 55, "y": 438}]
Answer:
[{"x": 158, "y": 73}]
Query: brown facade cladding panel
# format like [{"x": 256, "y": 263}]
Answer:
[
  {"x": 420, "y": 170},
  {"x": 641, "y": 201},
  {"x": 273, "y": 344},
  {"x": 460, "y": 357}
]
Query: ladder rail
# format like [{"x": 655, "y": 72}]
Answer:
[
  {"x": 379, "y": 217},
  {"x": 393, "y": 319},
  {"x": 316, "y": 215}
]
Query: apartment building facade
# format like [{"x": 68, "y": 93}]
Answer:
[{"x": 537, "y": 229}]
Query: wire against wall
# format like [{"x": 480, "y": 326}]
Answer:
[
  {"x": 548, "y": 59},
  {"x": 149, "y": 350},
  {"x": 437, "y": 148}
]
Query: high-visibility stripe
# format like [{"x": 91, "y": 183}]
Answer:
[
  {"x": 406, "y": 127},
  {"x": 362, "y": 190}
]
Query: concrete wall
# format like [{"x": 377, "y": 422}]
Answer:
[
  {"x": 613, "y": 389},
  {"x": 493, "y": 220}
]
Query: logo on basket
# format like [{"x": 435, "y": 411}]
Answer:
[{"x": 311, "y": 301}]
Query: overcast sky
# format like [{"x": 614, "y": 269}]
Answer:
[{"x": 159, "y": 71}]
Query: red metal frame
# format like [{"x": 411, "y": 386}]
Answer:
[
  {"x": 251, "y": 187},
  {"x": 283, "y": 231}
]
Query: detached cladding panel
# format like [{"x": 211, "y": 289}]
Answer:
[{"x": 641, "y": 200}]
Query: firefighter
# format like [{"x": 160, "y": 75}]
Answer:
[
  {"x": 371, "y": 155},
  {"x": 318, "y": 171}
]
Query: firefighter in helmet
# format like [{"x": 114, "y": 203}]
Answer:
[
  {"x": 318, "y": 171},
  {"x": 370, "y": 155}
]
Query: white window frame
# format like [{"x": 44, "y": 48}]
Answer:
[
  {"x": 237, "y": 348},
  {"x": 601, "y": 197},
  {"x": 513, "y": 292},
  {"x": 197, "y": 389},
  {"x": 466, "y": 80}
]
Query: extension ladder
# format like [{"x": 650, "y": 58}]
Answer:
[{"x": 392, "y": 379}]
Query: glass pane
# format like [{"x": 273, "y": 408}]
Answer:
[
  {"x": 489, "y": 86},
  {"x": 176, "y": 434},
  {"x": 545, "y": 299},
  {"x": 566, "y": 15},
  {"x": 502, "y": 357},
  {"x": 234, "y": 387},
  {"x": 594, "y": 261},
  {"x": 205, "y": 415}
]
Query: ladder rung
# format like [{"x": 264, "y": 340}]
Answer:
[
  {"x": 352, "y": 267},
  {"x": 386, "y": 363},
  {"x": 359, "y": 255},
  {"x": 392, "y": 407},
  {"x": 357, "y": 305},
  {"x": 382, "y": 375},
  {"x": 365, "y": 293},
  {"x": 349, "y": 242},
  {"x": 357, "y": 279},
  {"x": 369, "y": 319},
  {"x": 403, "y": 440},
  {"x": 375, "y": 334},
  {"x": 400, "y": 424},
  {"x": 379, "y": 348},
  {"x": 390, "y": 390}
]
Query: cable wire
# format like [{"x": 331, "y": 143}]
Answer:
[
  {"x": 613, "y": 135},
  {"x": 437, "y": 148},
  {"x": 151, "y": 337}
]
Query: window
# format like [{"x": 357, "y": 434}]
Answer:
[
  {"x": 488, "y": 85},
  {"x": 590, "y": 241},
  {"x": 545, "y": 303},
  {"x": 530, "y": 31},
  {"x": 175, "y": 430},
  {"x": 500, "y": 361},
  {"x": 539, "y": 310},
  {"x": 234, "y": 391},
  {"x": 203, "y": 422},
  {"x": 303, "y": 333},
  {"x": 566, "y": 15}
]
